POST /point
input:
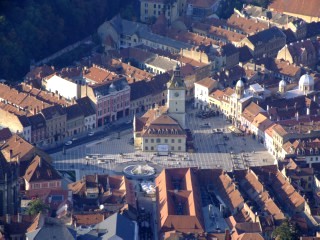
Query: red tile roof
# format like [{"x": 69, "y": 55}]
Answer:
[{"x": 302, "y": 7}]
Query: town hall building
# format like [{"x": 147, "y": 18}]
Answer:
[{"x": 162, "y": 129}]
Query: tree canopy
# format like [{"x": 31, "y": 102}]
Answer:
[
  {"x": 37, "y": 206},
  {"x": 286, "y": 231},
  {"x": 33, "y": 29}
]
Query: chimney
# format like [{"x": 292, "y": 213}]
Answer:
[
  {"x": 108, "y": 184},
  {"x": 10, "y": 154},
  {"x": 227, "y": 234},
  {"x": 8, "y": 218},
  {"x": 19, "y": 217},
  {"x": 297, "y": 116},
  {"x": 96, "y": 178},
  {"x": 308, "y": 111}
]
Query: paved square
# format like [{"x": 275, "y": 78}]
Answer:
[{"x": 213, "y": 151}]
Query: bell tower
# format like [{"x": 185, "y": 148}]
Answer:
[{"x": 176, "y": 101}]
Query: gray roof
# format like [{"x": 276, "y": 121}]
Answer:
[
  {"x": 86, "y": 106},
  {"x": 24, "y": 121},
  {"x": 109, "y": 87},
  {"x": 37, "y": 121},
  {"x": 129, "y": 28},
  {"x": 49, "y": 112},
  {"x": 162, "y": 62},
  {"x": 257, "y": 12},
  {"x": 52, "y": 232},
  {"x": 266, "y": 36},
  {"x": 74, "y": 111},
  {"x": 116, "y": 225}
]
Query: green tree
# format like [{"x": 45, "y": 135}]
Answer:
[
  {"x": 37, "y": 206},
  {"x": 286, "y": 231}
]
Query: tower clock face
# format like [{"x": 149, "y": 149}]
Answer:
[{"x": 176, "y": 94}]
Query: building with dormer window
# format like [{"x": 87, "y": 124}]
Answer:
[{"x": 162, "y": 129}]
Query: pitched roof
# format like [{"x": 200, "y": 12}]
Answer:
[
  {"x": 247, "y": 25},
  {"x": 308, "y": 8},
  {"x": 178, "y": 201},
  {"x": 73, "y": 111},
  {"x": 86, "y": 106},
  {"x": 16, "y": 227},
  {"x": 20, "y": 149},
  {"x": 50, "y": 112},
  {"x": 88, "y": 219},
  {"x": 266, "y": 36},
  {"x": 207, "y": 82},
  {"x": 37, "y": 121},
  {"x": 41, "y": 170},
  {"x": 50, "y": 229},
  {"x": 162, "y": 125},
  {"x": 279, "y": 66},
  {"x": 99, "y": 74},
  {"x": 113, "y": 227},
  {"x": 5, "y": 134}
]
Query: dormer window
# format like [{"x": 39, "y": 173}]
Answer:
[{"x": 298, "y": 151}]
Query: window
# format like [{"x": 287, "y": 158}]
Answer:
[
  {"x": 166, "y": 140},
  {"x": 179, "y": 140},
  {"x": 52, "y": 184},
  {"x": 36, "y": 186},
  {"x": 179, "y": 148},
  {"x": 172, "y": 148},
  {"x": 152, "y": 140},
  {"x": 158, "y": 140},
  {"x": 172, "y": 140},
  {"x": 146, "y": 148},
  {"x": 152, "y": 148},
  {"x": 146, "y": 140},
  {"x": 155, "y": 5}
]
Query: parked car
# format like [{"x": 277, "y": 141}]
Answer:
[
  {"x": 68, "y": 143},
  {"x": 90, "y": 134}
]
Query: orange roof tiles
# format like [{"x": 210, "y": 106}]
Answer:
[
  {"x": 302, "y": 7},
  {"x": 88, "y": 219},
  {"x": 189, "y": 37},
  {"x": 207, "y": 82},
  {"x": 247, "y": 25},
  {"x": 98, "y": 74},
  {"x": 280, "y": 130},
  {"x": 178, "y": 201},
  {"x": 218, "y": 32},
  {"x": 41, "y": 170}
]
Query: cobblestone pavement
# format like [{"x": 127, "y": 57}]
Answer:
[{"x": 113, "y": 153}]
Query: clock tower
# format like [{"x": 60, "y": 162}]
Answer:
[{"x": 176, "y": 101}]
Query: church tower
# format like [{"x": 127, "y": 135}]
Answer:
[
  {"x": 240, "y": 89},
  {"x": 176, "y": 101}
]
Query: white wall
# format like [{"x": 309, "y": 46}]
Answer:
[
  {"x": 201, "y": 95},
  {"x": 64, "y": 87}
]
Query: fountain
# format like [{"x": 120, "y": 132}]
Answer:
[{"x": 141, "y": 171}]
